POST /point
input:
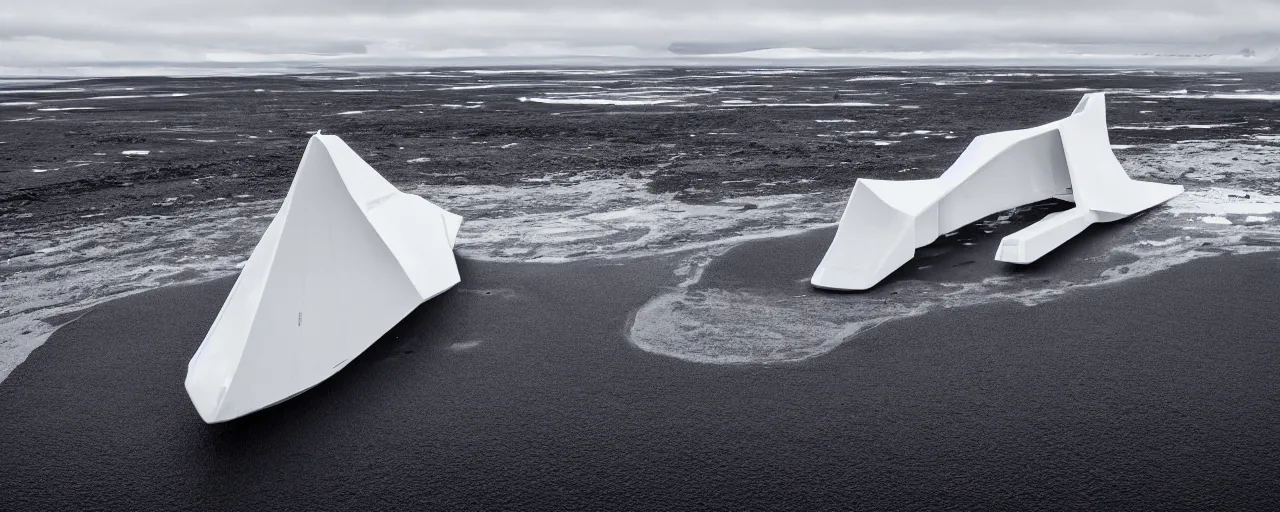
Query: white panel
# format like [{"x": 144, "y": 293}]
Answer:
[{"x": 345, "y": 259}]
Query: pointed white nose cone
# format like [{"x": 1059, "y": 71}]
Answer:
[
  {"x": 345, "y": 259},
  {"x": 1069, "y": 159}
]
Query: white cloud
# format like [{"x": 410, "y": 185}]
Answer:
[{"x": 54, "y": 33}]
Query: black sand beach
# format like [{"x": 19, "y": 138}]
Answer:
[{"x": 519, "y": 391}]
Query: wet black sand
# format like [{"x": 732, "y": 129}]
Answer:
[{"x": 519, "y": 391}]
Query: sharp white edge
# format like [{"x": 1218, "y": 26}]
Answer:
[
  {"x": 1071, "y": 159},
  {"x": 345, "y": 259}
]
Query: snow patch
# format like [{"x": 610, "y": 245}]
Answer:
[
  {"x": 40, "y": 91},
  {"x": 836, "y": 104},
  {"x": 1175, "y": 126},
  {"x": 1217, "y": 96},
  {"x": 595, "y": 101}
]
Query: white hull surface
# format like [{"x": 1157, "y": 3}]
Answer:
[
  {"x": 1070, "y": 159},
  {"x": 346, "y": 258}
]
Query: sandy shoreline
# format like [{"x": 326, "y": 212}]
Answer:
[{"x": 520, "y": 389}]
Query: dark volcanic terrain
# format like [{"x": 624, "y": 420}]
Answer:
[
  {"x": 112, "y": 186},
  {"x": 692, "y": 132}
]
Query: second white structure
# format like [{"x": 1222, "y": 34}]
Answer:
[
  {"x": 347, "y": 257},
  {"x": 1070, "y": 159}
]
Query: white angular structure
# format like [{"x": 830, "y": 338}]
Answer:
[
  {"x": 345, "y": 259},
  {"x": 1070, "y": 159}
]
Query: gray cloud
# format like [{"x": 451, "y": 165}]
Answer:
[{"x": 73, "y": 32}]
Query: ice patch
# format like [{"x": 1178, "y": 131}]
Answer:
[
  {"x": 964, "y": 82},
  {"x": 888, "y": 78},
  {"x": 55, "y": 271},
  {"x": 836, "y": 104},
  {"x": 18, "y": 103},
  {"x": 62, "y": 109},
  {"x": 1215, "y": 220},
  {"x": 595, "y": 101},
  {"x": 40, "y": 91},
  {"x": 137, "y": 152},
  {"x": 1217, "y": 201},
  {"x": 548, "y": 71},
  {"x": 1231, "y": 96},
  {"x": 741, "y": 327},
  {"x": 1218, "y": 96},
  {"x": 1238, "y": 163},
  {"x": 1175, "y": 126},
  {"x": 564, "y": 219},
  {"x": 493, "y": 86},
  {"x": 464, "y": 345}
]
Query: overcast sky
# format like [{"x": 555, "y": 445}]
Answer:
[{"x": 50, "y": 33}]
